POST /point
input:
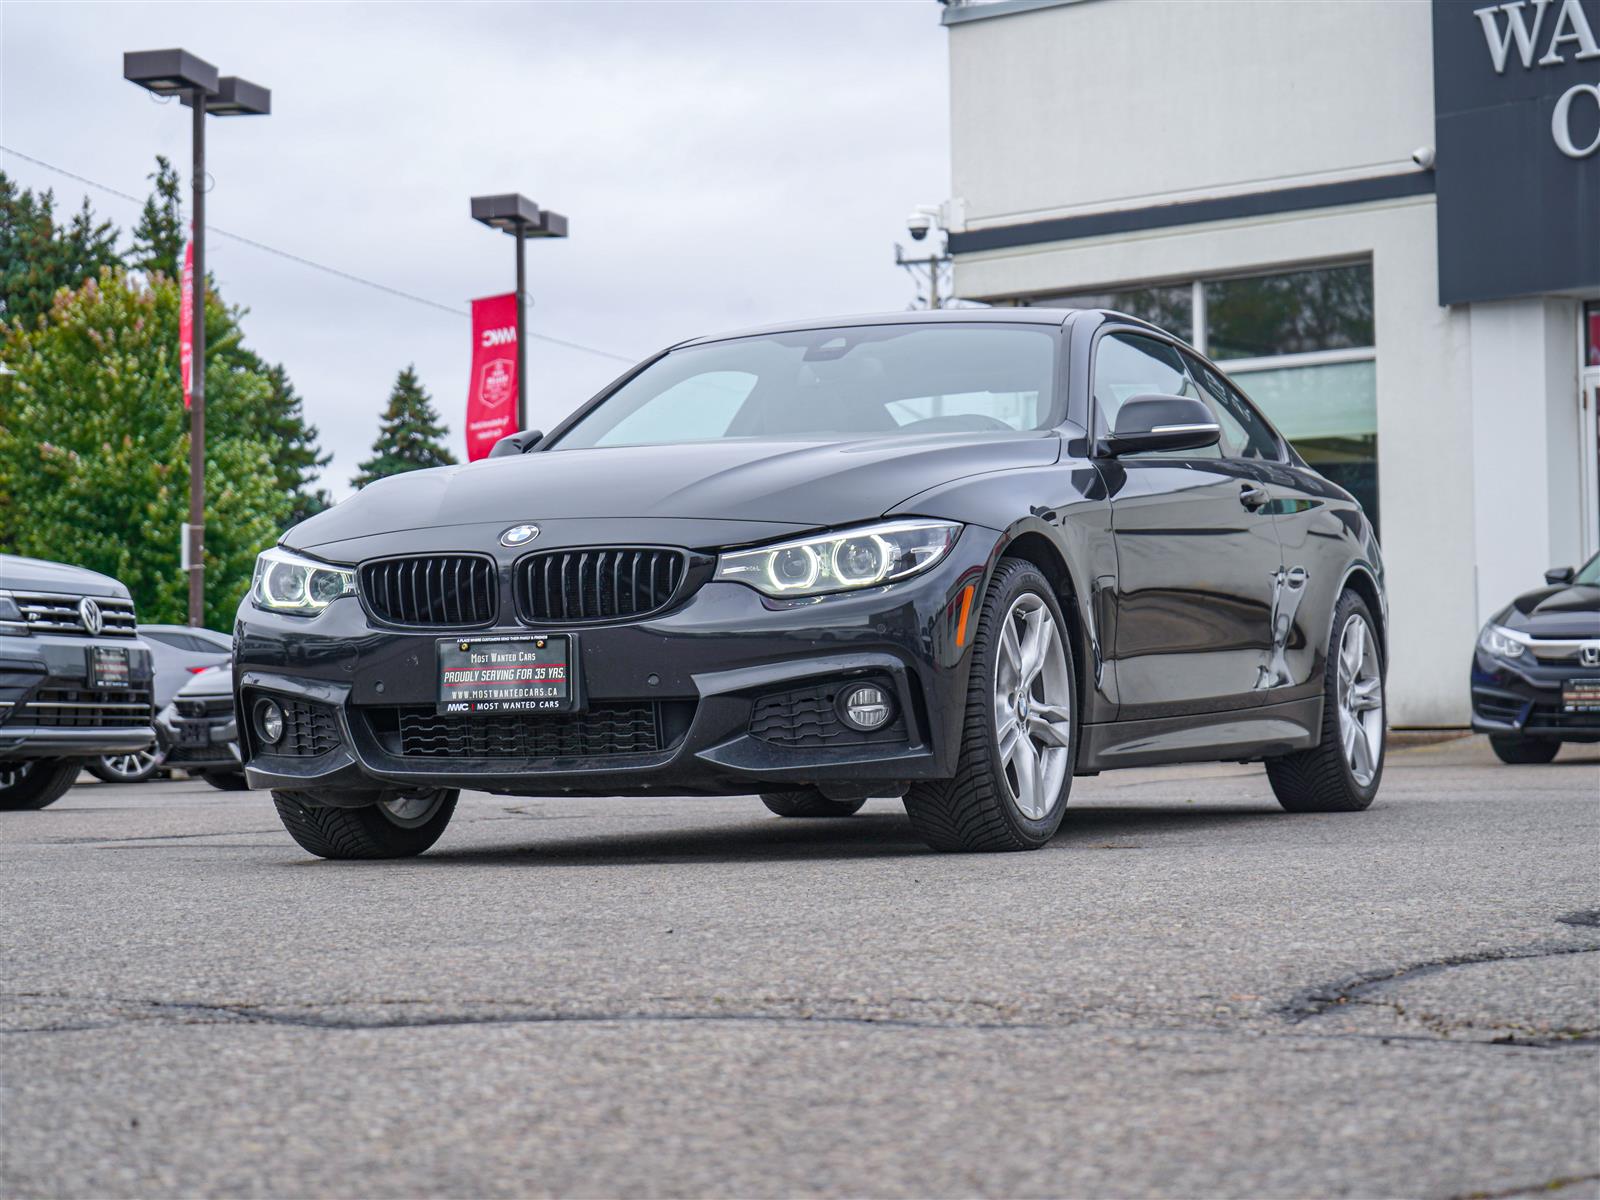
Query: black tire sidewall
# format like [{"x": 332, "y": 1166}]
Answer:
[{"x": 1015, "y": 577}]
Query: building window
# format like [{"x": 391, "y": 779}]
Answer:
[
  {"x": 1170, "y": 307},
  {"x": 1296, "y": 312}
]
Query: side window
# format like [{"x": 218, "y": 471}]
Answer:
[
  {"x": 1244, "y": 433},
  {"x": 1128, "y": 365},
  {"x": 699, "y": 408}
]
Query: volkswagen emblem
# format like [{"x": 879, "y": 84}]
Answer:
[
  {"x": 1589, "y": 654},
  {"x": 519, "y": 535},
  {"x": 89, "y": 614}
]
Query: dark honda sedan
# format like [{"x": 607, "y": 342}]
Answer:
[
  {"x": 958, "y": 557},
  {"x": 1536, "y": 668}
]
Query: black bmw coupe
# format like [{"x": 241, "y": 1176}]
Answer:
[{"x": 959, "y": 557}]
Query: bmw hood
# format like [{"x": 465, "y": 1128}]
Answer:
[
  {"x": 1569, "y": 611},
  {"x": 710, "y": 493}
]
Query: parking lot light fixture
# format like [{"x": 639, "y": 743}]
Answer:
[
  {"x": 176, "y": 72},
  {"x": 515, "y": 214}
]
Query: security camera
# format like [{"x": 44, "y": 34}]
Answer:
[
  {"x": 1423, "y": 157},
  {"x": 918, "y": 223}
]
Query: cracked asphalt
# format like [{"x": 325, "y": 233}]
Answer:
[{"x": 1188, "y": 993}]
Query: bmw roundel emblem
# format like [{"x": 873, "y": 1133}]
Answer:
[{"x": 519, "y": 535}]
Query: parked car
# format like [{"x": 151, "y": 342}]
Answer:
[
  {"x": 1536, "y": 669},
  {"x": 959, "y": 556},
  {"x": 179, "y": 653},
  {"x": 75, "y": 677},
  {"x": 197, "y": 733}
]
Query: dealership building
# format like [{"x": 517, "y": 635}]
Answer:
[{"x": 1382, "y": 219}]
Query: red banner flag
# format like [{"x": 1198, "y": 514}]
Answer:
[
  {"x": 492, "y": 395},
  {"x": 186, "y": 321}
]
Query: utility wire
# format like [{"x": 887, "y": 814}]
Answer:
[{"x": 312, "y": 263}]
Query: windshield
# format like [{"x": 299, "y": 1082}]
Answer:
[
  {"x": 1590, "y": 572},
  {"x": 866, "y": 381}
]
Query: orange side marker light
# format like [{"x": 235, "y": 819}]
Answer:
[{"x": 966, "y": 611}]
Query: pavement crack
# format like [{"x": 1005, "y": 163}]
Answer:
[
  {"x": 1314, "y": 1001},
  {"x": 1559, "y": 1183}
]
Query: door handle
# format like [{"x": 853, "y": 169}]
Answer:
[{"x": 1253, "y": 496}]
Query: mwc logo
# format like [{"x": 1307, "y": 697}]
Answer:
[{"x": 499, "y": 337}]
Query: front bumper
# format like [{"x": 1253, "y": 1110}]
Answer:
[
  {"x": 49, "y": 710},
  {"x": 731, "y": 680},
  {"x": 1522, "y": 698}
]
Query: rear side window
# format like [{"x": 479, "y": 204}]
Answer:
[{"x": 1245, "y": 434}]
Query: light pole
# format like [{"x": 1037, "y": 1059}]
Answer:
[
  {"x": 923, "y": 220},
  {"x": 179, "y": 73},
  {"x": 522, "y": 219}
]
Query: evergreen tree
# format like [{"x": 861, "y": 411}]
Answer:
[
  {"x": 409, "y": 436},
  {"x": 38, "y": 257},
  {"x": 159, "y": 235}
]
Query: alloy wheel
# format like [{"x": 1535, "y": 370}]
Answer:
[
  {"x": 134, "y": 765},
  {"x": 1032, "y": 706},
  {"x": 12, "y": 774},
  {"x": 1360, "y": 699},
  {"x": 412, "y": 809}
]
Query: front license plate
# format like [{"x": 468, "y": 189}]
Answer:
[
  {"x": 108, "y": 667},
  {"x": 1581, "y": 696},
  {"x": 194, "y": 733},
  {"x": 498, "y": 675}
]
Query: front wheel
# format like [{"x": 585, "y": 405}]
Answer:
[
  {"x": 226, "y": 781},
  {"x": 809, "y": 802},
  {"x": 1019, "y": 737},
  {"x": 1341, "y": 773},
  {"x": 400, "y": 825},
  {"x": 1518, "y": 751},
  {"x": 36, "y": 783}
]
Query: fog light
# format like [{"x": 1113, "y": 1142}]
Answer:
[
  {"x": 269, "y": 722},
  {"x": 866, "y": 707}
]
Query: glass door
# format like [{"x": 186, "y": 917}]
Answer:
[{"x": 1589, "y": 448}]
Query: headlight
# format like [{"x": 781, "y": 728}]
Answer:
[
  {"x": 286, "y": 582},
  {"x": 1501, "y": 642},
  {"x": 841, "y": 562},
  {"x": 12, "y": 622}
]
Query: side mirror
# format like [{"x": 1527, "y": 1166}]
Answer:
[
  {"x": 1556, "y": 576},
  {"x": 1146, "y": 423},
  {"x": 517, "y": 443}
]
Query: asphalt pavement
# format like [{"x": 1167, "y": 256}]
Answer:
[{"x": 1188, "y": 993}]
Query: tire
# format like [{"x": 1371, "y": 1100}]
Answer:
[
  {"x": 1340, "y": 775},
  {"x": 1518, "y": 751},
  {"x": 808, "y": 802},
  {"x": 36, "y": 783},
  {"x": 981, "y": 809},
  {"x": 369, "y": 832},
  {"x": 226, "y": 781},
  {"x": 134, "y": 767}
]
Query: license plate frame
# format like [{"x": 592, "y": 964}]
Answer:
[
  {"x": 1581, "y": 696},
  {"x": 109, "y": 667},
  {"x": 518, "y": 655}
]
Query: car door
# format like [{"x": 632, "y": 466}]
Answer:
[{"x": 1198, "y": 560}]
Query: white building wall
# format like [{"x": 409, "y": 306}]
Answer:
[
  {"x": 1524, "y": 393},
  {"x": 1122, "y": 103}
]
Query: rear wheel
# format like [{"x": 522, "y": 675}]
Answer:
[
  {"x": 1019, "y": 739},
  {"x": 133, "y": 767},
  {"x": 1341, "y": 773},
  {"x": 1517, "y": 750},
  {"x": 36, "y": 783},
  {"x": 808, "y": 802},
  {"x": 401, "y": 825}
]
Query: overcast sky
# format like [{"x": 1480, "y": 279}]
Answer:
[{"x": 722, "y": 164}]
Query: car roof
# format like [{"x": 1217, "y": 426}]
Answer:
[{"x": 938, "y": 316}]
